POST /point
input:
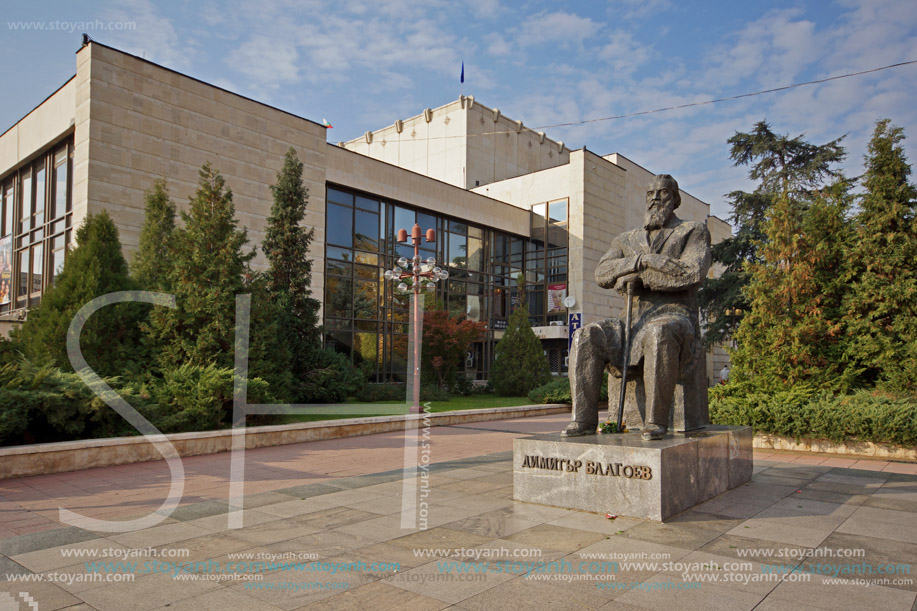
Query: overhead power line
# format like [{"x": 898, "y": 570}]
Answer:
[
  {"x": 688, "y": 105},
  {"x": 732, "y": 97}
]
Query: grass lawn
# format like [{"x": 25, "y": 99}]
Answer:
[{"x": 354, "y": 409}]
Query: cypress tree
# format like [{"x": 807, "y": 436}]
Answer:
[
  {"x": 208, "y": 265},
  {"x": 520, "y": 364},
  {"x": 286, "y": 245},
  {"x": 881, "y": 316},
  {"x": 152, "y": 260},
  {"x": 95, "y": 267}
]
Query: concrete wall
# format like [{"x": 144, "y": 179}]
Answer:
[
  {"x": 499, "y": 147},
  {"x": 638, "y": 179},
  {"x": 47, "y": 123},
  {"x": 604, "y": 211},
  {"x": 463, "y": 143},
  {"x": 136, "y": 121},
  {"x": 360, "y": 172}
]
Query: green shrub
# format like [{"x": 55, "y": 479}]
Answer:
[
  {"x": 802, "y": 411},
  {"x": 433, "y": 392},
  {"x": 381, "y": 392},
  {"x": 558, "y": 391},
  {"x": 332, "y": 381},
  {"x": 195, "y": 398},
  {"x": 44, "y": 404}
]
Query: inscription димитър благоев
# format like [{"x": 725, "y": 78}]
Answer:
[{"x": 591, "y": 468}]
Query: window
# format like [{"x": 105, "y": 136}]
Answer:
[{"x": 35, "y": 232}]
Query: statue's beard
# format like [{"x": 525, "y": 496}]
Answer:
[{"x": 655, "y": 217}]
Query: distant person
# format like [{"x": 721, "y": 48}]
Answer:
[{"x": 724, "y": 374}]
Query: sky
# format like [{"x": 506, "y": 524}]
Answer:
[{"x": 362, "y": 64}]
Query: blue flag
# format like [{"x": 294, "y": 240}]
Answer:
[{"x": 462, "y": 79}]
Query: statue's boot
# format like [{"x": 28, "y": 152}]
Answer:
[
  {"x": 577, "y": 429},
  {"x": 654, "y": 432}
]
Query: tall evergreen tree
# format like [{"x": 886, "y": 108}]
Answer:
[
  {"x": 881, "y": 311},
  {"x": 152, "y": 260},
  {"x": 794, "y": 330},
  {"x": 208, "y": 264},
  {"x": 520, "y": 364},
  {"x": 289, "y": 278},
  {"x": 95, "y": 267},
  {"x": 786, "y": 169}
]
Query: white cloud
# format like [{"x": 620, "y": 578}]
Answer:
[
  {"x": 267, "y": 61},
  {"x": 624, "y": 53},
  {"x": 633, "y": 9},
  {"x": 153, "y": 38},
  {"x": 565, "y": 28}
]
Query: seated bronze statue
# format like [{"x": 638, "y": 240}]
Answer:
[{"x": 666, "y": 260}]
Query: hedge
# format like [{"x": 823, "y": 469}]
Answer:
[{"x": 866, "y": 415}]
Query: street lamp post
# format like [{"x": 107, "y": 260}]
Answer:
[{"x": 419, "y": 271}]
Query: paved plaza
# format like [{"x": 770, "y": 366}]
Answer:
[{"x": 325, "y": 528}]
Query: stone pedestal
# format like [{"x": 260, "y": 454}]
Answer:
[{"x": 624, "y": 475}]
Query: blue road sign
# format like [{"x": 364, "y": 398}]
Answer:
[{"x": 574, "y": 322}]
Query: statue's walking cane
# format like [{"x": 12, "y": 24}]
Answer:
[{"x": 627, "y": 340}]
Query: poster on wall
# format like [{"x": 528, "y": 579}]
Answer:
[
  {"x": 556, "y": 295},
  {"x": 6, "y": 269}
]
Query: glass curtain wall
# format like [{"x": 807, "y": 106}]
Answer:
[
  {"x": 366, "y": 318},
  {"x": 35, "y": 226}
]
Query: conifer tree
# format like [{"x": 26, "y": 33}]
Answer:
[
  {"x": 520, "y": 364},
  {"x": 208, "y": 264},
  {"x": 786, "y": 169},
  {"x": 96, "y": 266},
  {"x": 286, "y": 245},
  {"x": 152, "y": 260},
  {"x": 794, "y": 330},
  {"x": 881, "y": 313}
]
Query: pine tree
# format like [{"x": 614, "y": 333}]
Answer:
[
  {"x": 151, "y": 263},
  {"x": 110, "y": 339},
  {"x": 881, "y": 313},
  {"x": 786, "y": 169},
  {"x": 520, "y": 364},
  {"x": 207, "y": 271},
  {"x": 286, "y": 245}
]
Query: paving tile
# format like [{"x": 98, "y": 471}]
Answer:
[
  {"x": 873, "y": 552},
  {"x": 220, "y": 522},
  {"x": 687, "y": 534},
  {"x": 40, "y": 561},
  {"x": 745, "y": 548},
  {"x": 557, "y": 538},
  {"x": 194, "y": 511},
  {"x": 663, "y": 592},
  {"x": 377, "y": 596},
  {"x": 284, "y": 590},
  {"x": 452, "y": 588},
  {"x": 825, "y": 592},
  {"x": 218, "y": 600},
  {"x": 146, "y": 593},
  {"x": 305, "y": 491},
  {"x": 43, "y": 540},
  {"x": 493, "y": 524},
  {"x": 45, "y": 595},
  {"x": 529, "y": 593},
  {"x": 159, "y": 535},
  {"x": 780, "y": 532},
  {"x": 440, "y": 538},
  {"x": 883, "y": 523}
]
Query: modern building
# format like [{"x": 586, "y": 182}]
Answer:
[{"x": 504, "y": 200}]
